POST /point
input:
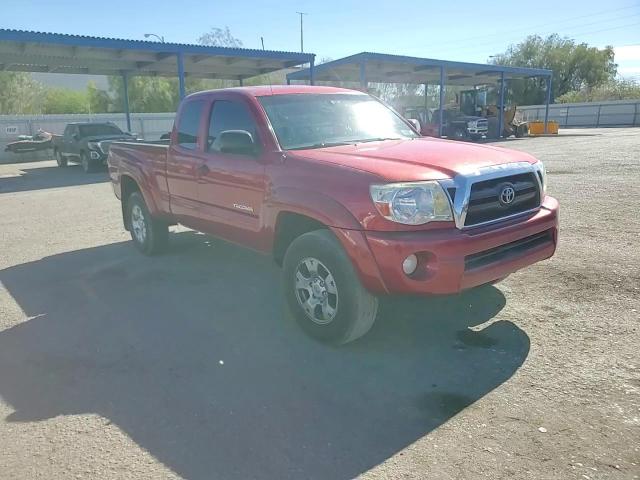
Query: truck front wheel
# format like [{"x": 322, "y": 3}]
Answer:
[
  {"x": 323, "y": 292},
  {"x": 88, "y": 165},
  {"x": 60, "y": 160},
  {"x": 149, "y": 234}
]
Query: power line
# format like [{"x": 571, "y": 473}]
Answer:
[
  {"x": 603, "y": 12},
  {"x": 483, "y": 45}
]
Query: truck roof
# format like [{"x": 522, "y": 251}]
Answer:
[{"x": 266, "y": 90}]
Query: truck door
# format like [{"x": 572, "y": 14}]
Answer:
[
  {"x": 69, "y": 141},
  {"x": 231, "y": 187},
  {"x": 183, "y": 158}
]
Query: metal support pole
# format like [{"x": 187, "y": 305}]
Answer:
[
  {"x": 127, "y": 112},
  {"x": 241, "y": 82},
  {"x": 546, "y": 107},
  {"x": 312, "y": 79},
  {"x": 288, "y": 81},
  {"x": 501, "y": 107},
  {"x": 181, "y": 76},
  {"x": 441, "y": 106},
  {"x": 363, "y": 75},
  {"x": 426, "y": 100}
]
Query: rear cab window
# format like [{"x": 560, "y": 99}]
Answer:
[{"x": 189, "y": 124}]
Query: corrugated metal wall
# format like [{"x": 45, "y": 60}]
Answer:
[
  {"x": 146, "y": 125},
  {"x": 597, "y": 114}
]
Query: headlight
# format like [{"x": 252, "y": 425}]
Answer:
[
  {"x": 412, "y": 203},
  {"x": 542, "y": 173},
  {"x": 94, "y": 146}
]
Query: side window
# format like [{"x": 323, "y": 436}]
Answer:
[
  {"x": 68, "y": 131},
  {"x": 189, "y": 124},
  {"x": 227, "y": 115}
]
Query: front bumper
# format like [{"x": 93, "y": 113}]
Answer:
[
  {"x": 453, "y": 260},
  {"x": 478, "y": 131}
]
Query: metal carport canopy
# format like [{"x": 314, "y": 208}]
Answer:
[
  {"x": 26, "y": 51},
  {"x": 383, "y": 68}
]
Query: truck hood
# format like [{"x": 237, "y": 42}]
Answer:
[{"x": 418, "y": 159}]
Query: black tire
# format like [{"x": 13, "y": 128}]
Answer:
[
  {"x": 88, "y": 165},
  {"x": 60, "y": 160},
  {"x": 522, "y": 130},
  {"x": 355, "y": 307},
  {"x": 156, "y": 232},
  {"x": 459, "y": 134}
]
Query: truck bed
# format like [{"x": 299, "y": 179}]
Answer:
[{"x": 146, "y": 163}]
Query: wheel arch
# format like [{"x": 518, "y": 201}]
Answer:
[{"x": 290, "y": 225}]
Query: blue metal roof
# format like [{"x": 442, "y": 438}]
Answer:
[
  {"x": 381, "y": 67},
  {"x": 20, "y": 50}
]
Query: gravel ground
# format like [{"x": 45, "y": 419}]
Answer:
[{"x": 114, "y": 366}]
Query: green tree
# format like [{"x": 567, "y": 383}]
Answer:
[
  {"x": 146, "y": 94},
  {"x": 616, "y": 89},
  {"x": 99, "y": 100},
  {"x": 219, "y": 37},
  {"x": 63, "y": 100},
  {"x": 20, "y": 94},
  {"x": 575, "y": 66}
]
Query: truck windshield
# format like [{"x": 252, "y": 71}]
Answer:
[
  {"x": 315, "y": 121},
  {"x": 97, "y": 129}
]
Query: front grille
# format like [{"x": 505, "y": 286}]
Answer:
[
  {"x": 507, "y": 251},
  {"x": 485, "y": 204}
]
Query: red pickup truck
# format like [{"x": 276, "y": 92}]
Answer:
[{"x": 345, "y": 195}]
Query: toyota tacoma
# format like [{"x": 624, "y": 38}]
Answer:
[{"x": 343, "y": 192}]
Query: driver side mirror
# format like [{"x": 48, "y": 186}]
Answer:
[
  {"x": 237, "y": 142},
  {"x": 415, "y": 123}
]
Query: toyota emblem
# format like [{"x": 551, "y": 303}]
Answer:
[{"x": 507, "y": 194}]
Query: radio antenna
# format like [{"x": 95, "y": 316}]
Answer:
[{"x": 268, "y": 74}]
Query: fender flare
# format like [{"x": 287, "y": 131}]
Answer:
[
  {"x": 312, "y": 204},
  {"x": 137, "y": 176}
]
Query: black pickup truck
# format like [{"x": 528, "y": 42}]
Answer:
[{"x": 87, "y": 144}]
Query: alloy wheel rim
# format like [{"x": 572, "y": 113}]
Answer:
[
  {"x": 316, "y": 291},
  {"x": 138, "y": 224}
]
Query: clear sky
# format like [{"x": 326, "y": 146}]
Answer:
[{"x": 454, "y": 30}]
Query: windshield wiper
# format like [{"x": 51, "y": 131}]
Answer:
[
  {"x": 322, "y": 145},
  {"x": 376, "y": 139}
]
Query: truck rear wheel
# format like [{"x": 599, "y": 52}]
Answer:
[
  {"x": 149, "y": 234},
  {"x": 323, "y": 292}
]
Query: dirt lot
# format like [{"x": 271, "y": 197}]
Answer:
[{"x": 113, "y": 365}]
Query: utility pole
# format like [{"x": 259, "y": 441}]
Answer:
[{"x": 301, "y": 31}]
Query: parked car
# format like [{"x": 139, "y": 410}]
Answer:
[
  {"x": 87, "y": 143},
  {"x": 344, "y": 194},
  {"x": 26, "y": 143},
  {"x": 455, "y": 125}
]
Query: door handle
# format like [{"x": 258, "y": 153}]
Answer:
[{"x": 202, "y": 169}]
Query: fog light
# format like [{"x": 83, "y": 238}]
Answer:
[{"x": 410, "y": 264}]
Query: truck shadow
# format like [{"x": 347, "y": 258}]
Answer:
[
  {"x": 31, "y": 177},
  {"x": 191, "y": 355}
]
